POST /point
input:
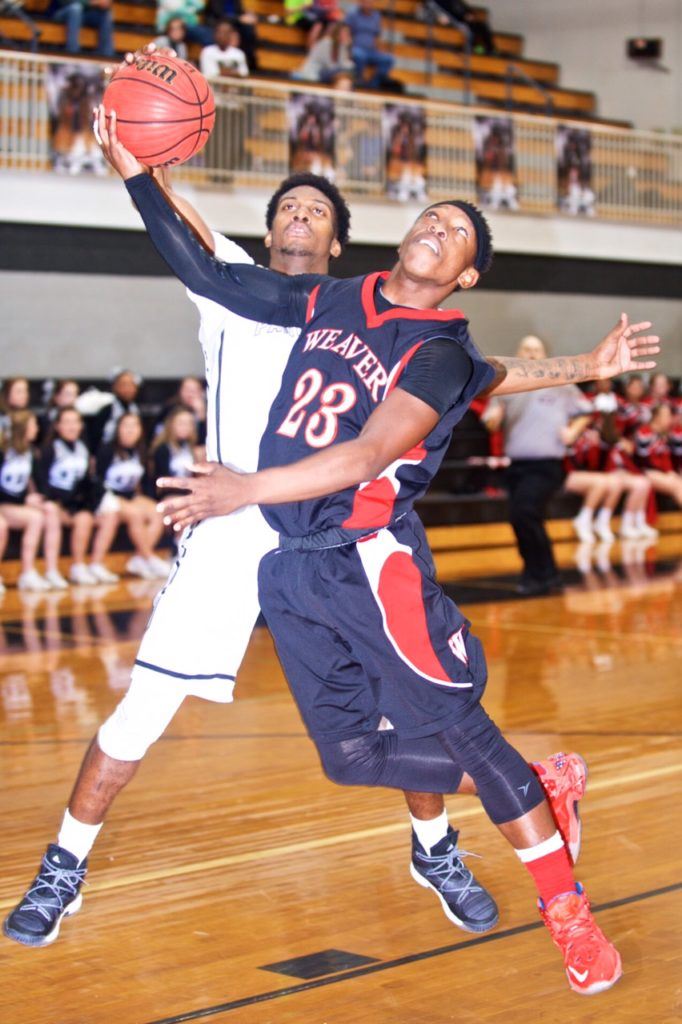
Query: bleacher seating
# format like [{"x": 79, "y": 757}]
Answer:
[{"x": 430, "y": 60}]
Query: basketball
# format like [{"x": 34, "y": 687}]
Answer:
[{"x": 164, "y": 109}]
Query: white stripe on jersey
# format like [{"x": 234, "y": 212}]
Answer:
[{"x": 244, "y": 364}]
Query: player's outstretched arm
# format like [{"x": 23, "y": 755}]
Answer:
[
  {"x": 395, "y": 426},
  {"x": 623, "y": 350},
  {"x": 250, "y": 291},
  {"x": 184, "y": 208}
]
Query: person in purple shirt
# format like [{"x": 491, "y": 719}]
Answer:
[{"x": 365, "y": 25}]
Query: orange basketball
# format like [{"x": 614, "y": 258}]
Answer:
[{"x": 164, "y": 109}]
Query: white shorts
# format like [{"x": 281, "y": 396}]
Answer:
[{"x": 203, "y": 618}]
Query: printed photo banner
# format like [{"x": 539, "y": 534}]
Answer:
[
  {"x": 574, "y": 171},
  {"x": 72, "y": 91},
  {"x": 404, "y": 137},
  {"x": 496, "y": 183},
  {"x": 312, "y": 124}
]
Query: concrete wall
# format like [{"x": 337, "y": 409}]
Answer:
[{"x": 86, "y": 324}]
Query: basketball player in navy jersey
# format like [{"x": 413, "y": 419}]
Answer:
[{"x": 374, "y": 385}]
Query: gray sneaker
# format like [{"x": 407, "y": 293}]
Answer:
[
  {"x": 54, "y": 894},
  {"x": 464, "y": 900}
]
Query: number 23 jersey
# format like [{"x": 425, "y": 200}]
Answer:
[{"x": 352, "y": 351}]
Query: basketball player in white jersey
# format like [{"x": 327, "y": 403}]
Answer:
[{"x": 211, "y": 594}]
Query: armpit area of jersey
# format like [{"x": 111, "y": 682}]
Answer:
[{"x": 437, "y": 373}]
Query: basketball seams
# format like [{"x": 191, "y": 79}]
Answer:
[
  {"x": 196, "y": 93},
  {"x": 156, "y": 122},
  {"x": 175, "y": 145},
  {"x": 145, "y": 83}
]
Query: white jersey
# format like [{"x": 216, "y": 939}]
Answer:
[
  {"x": 203, "y": 618},
  {"x": 244, "y": 362}
]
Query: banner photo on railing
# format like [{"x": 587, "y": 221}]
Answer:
[
  {"x": 404, "y": 133},
  {"x": 496, "y": 182},
  {"x": 72, "y": 92},
  {"x": 312, "y": 134},
  {"x": 574, "y": 170}
]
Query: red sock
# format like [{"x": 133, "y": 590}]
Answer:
[{"x": 552, "y": 873}]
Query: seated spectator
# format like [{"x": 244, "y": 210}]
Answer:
[
  {"x": 89, "y": 13},
  {"x": 312, "y": 15},
  {"x": 21, "y": 508},
  {"x": 189, "y": 11},
  {"x": 63, "y": 475},
  {"x": 329, "y": 57},
  {"x": 476, "y": 29},
  {"x": 244, "y": 21},
  {"x": 120, "y": 472},
  {"x": 224, "y": 58},
  {"x": 102, "y": 410},
  {"x": 174, "y": 448},
  {"x": 365, "y": 25},
  {"x": 653, "y": 453},
  {"x": 174, "y": 38},
  {"x": 61, "y": 394},
  {"x": 191, "y": 394},
  {"x": 15, "y": 396},
  {"x": 632, "y": 409}
]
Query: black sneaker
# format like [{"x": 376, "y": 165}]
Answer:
[
  {"x": 466, "y": 903},
  {"x": 54, "y": 894}
]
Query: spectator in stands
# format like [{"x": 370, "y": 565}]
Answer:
[
  {"x": 174, "y": 38},
  {"x": 244, "y": 21},
  {"x": 632, "y": 410},
  {"x": 189, "y": 11},
  {"x": 191, "y": 394},
  {"x": 473, "y": 24},
  {"x": 654, "y": 455},
  {"x": 661, "y": 393},
  {"x": 599, "y": 469},
  {"x": 366, "y": 28},
  {"x": 15, "y": 395},
  {"x": 532, "y": 424},
  {"x": 312, "y": 15},
  {"x": 329, "y": 57},
  {"x": 120, "y": 472},
  {"x": 89, "y": 13},
  {"x": 173, "y": 449},
  {"x": 25, "y": 510},
  {"x": 57, "y": 395},
  {"x": 224, "y": 58},
  {"x": 103, "y": 410},
  {"x": 63, "y": 475}
]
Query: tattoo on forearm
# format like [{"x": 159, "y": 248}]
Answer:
[{"x": 566, "y": 369}]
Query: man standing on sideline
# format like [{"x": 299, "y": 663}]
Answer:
[{"x": 533, "y": 425}]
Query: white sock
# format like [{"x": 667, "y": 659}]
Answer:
[
  {"x": 604, "y": 516},
  {"x": 430, "y": 831},
  {"x": 584, "y": 517},
  {"x": 77, "y": 837},
  {"x": 629, "y": 519},
  {"x": 550, "y": 845},
  {"x": 639, "y": 517}
]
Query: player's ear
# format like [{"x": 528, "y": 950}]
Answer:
[
  {"x": 335, "y": 249},
  {"x": 267, "y": 241},
  {"x": 468, "y": 278}
]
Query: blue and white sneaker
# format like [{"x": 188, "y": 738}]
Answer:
[
  {"x": 465, "y": 902},
  {"x": 54, "y": 894}
]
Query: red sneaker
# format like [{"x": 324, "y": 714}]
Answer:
[
  {"x": 592, "y": 962},
  {"x": 563, "y": 778}
]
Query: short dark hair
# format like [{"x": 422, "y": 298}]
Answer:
[
  {"x": 323, "y": 185},
  {"x": 484, "y": 236}
]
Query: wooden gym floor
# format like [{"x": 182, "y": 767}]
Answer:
[{"x": 232, "y": 882}]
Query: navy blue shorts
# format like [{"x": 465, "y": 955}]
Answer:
[{"x": 364, "y": 631}]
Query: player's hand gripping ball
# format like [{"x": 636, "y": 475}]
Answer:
[{"x": 164, "y": 109}]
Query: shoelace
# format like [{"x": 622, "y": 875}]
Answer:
[
  {"x": 61, "y": 885},
  {"x": 580, "y": 931},
  {"x": 448, "y": 866}
]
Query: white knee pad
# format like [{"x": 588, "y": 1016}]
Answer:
[{"x": 141, "y": 717}]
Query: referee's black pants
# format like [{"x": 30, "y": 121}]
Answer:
[{"x": 531, "y": 483}]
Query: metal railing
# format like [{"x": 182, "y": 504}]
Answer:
[{"x": 635, "y": 176}]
